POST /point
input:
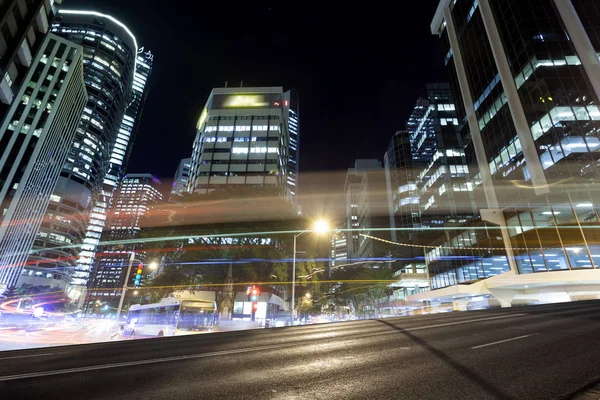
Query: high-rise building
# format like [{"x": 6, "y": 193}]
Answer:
[
  {"x": 366, "y": 209},
  {"x": 243, "y": 141},
  {"x": 292, "y": 104},
  {"x": 528, "y": 76},
  {"x": 435, "y": 190},
  {"x": 110, "y": 54},
  {"x": 439, "y": 161},
  {"x": 401, "y": 188},
  {"x": 133, "y": 114},
  {"x": 338, "y": 249},
  {"x": 136, "y": 196},
  {"x": 35, "y": 137},
  {"x": 428, "y": 183},
  {"x": 119, "y": 157},
  {"x": 122, "y": 146},
  {"x": 180, "y": 180},
  {"x": 23, "y": 25}
]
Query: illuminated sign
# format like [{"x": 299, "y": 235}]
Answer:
[
  {"x": 202, "y": 119},
  {"x": 245, "y": 100}
]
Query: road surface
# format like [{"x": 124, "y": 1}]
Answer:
[{"x": 538, "y": 352}]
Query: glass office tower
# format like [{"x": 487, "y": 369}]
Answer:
[
  {"x": 35, "y": 137},
  {"x": 243, "y": 142},
  {"x": 23, "y": 25},
  {"x": 366, "y": 209},
  {"x": 81, "y": 197},
  {"x": 292, "y": 104},
  {"x": 528, "y": 75},
  {"x": 133, "y": 200},
  {"x": 180, "y": 179}
]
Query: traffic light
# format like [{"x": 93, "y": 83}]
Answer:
[
  {"x": 138, "y": 275},
  {"x": 254, "y": 308},
  {"x": 253, "y": 294}
]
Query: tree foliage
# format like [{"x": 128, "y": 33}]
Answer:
[
  {"x": 201, "y": 245},
  {"x": 363, "y": 287}
]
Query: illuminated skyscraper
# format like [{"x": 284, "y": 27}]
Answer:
[
  {"x": 528, "y": 75},
  {"x": 180, "y": 180},
  {"x": 366, "y": 208},
  {"x": 135, "y": 197},
  {"x": 403, "y": 200},
  {"x": 243, "y": 140},
  {"x": 35, "y": 137},
  {"x": 23, "y": 25},
  {"x": 124, "y": 143},
  {"x": 427, "y": 172},
  {"x": 292, "y": 104},
  {"x": 81, "y": 197}
]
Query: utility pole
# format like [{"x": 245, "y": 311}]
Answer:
[{"x": 124, "y": 290}]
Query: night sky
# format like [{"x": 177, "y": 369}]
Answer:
[{"x": 358, "y": 70}]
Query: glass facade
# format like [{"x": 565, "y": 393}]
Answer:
[
  {"x": 181, "y": 178},
  {"x": 440, "y": 169},
  {"x": 34, "y": 140},
  {"x": 366, "y": 209},
  {"x": 292, "y": 104},
  {"x": 22, "y": 29},
  {"x": 429, "y": 184},
  {"x": 243, "y": 141},
  {"x": 536, "y": 114},
  {"x": 401, "y": 188},
  {"x": 133, "y": 200},
  {"x": 109, "y": 58}
]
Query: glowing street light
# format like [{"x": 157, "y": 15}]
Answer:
[
  {"x": 308, "y": 295},
  {"x": 153, "y": 265},
  {"x": 320, "y": 226}
]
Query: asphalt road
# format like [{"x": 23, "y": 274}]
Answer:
[{"x": 539, "y": 352}]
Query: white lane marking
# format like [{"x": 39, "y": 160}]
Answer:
[
  {"x": 31, "y": 355},
  {"x": 141, "y": 362},
  {"x": 503, "y": 341},
  {"x": 224, "y": 352},
  {"x": 418, "y": 328}
]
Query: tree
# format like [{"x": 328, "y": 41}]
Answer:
[
  {"x": 371, "y": 284},
  {"x": 307, "y": 275},
  {"x": 171, "y": 280},
  {"x": 229, "y": 238},
  {"x": 28, "y": 289}
]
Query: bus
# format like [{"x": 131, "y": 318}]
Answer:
[{"x": 171, "y": 317}]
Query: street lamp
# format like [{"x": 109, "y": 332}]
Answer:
[
  {"x": 320, "y": 226},
  {"x": 152, "y": 265}
]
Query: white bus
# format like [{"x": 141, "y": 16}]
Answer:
[{"x": 171, "y": 317}]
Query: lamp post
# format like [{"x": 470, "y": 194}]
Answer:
[
  {"x": 152, "y": 265},
  {"x": 320, "y": 227}
]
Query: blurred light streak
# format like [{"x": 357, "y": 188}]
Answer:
[
  {"x": 273, "y": 233},
  {"x": 447, "y": 247}
]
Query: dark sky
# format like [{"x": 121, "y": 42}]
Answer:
[{"x": 358, "y": 68}]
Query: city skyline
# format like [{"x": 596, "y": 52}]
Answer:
[
  {"x": 426, "y": 176},
  {"x": 331, "y": 84}
]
